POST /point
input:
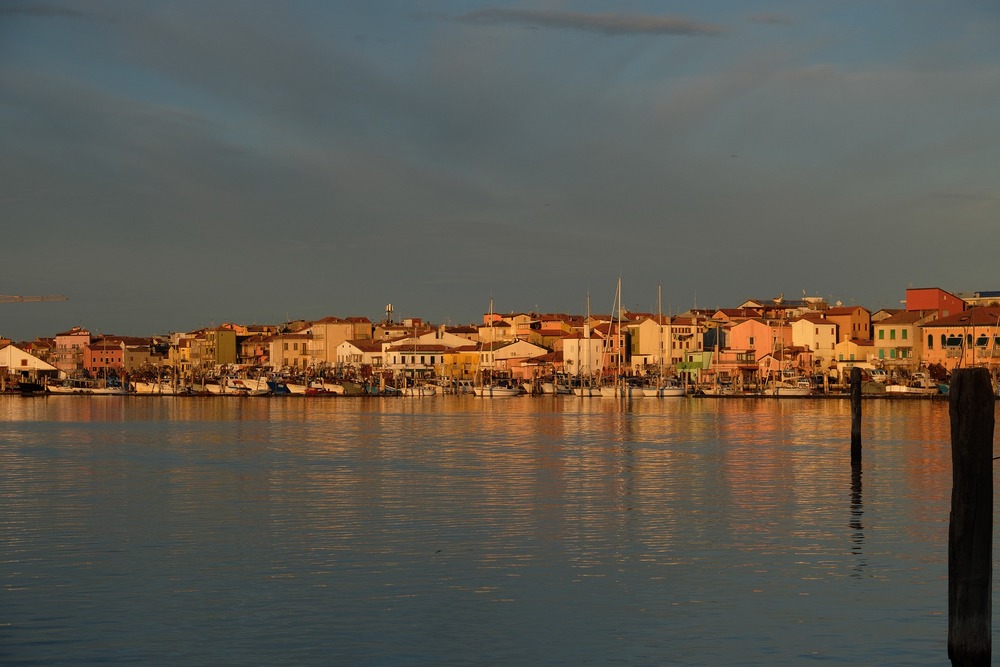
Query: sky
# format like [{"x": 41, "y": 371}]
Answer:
[{"x": 170, "y": 165}]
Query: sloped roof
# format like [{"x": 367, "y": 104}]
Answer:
[{"x": 973, "y": 317}]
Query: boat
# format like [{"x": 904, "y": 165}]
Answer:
[
  {"x": 465, "y": 387},
  {"x": 71, "y": 386},
  {"x": 557, "y": 384},
  {"x": 618, "y": 387},
  {"x": 160, "y": 388},
  {"x": 420, "y": 389},
  {"x": 583, "y": 383},
  {"x": 29, "y": 388},
  {"x": 785, "y": 388},
  {"x": 278, "y": 387},
  {"x": 320, "y": 387},
  {"x": 247, "y": 387},
  {"x": 109, "y": 387},
  {"x": 663, "y": 388},
  {"x": 719, "y": 388},
  {"x": 498, "y": 389},
  {"x": 918, "y": 385},
  {"x": 670, "y": 388}
]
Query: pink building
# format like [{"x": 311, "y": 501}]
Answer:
[
  {"x": 104, "y": 357},
  {"x": 67, "y": 355}
]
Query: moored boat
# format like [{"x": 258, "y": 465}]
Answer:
[
  {"x": 918, "y": 385},
  {"x": 786, "y": 388}
]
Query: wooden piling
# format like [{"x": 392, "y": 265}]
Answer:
[
  {"x": 855, "y": 415},
  {"x": 970, "y": 532}
]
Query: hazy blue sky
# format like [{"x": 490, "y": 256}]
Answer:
[{"x": 170, "y": 165}]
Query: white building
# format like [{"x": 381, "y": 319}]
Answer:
[{"x": 15, "y": 362}]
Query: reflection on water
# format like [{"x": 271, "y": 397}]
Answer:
[{"x": 459, "y": 530}]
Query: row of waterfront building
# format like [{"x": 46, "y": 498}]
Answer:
[{"x": 935, "y": 330}]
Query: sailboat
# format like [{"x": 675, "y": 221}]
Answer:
[
  {"x": 617, "y": 387},
  {"x": 492, "y": 388},
  {"x": 662, "y": 388},
  {"x": 584, "y": 385}
]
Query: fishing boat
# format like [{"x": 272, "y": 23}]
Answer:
[
  {"x": 918, "y": 385},
  {"x": 246, "y": 386},
  {"x": 71, "y": 386}
]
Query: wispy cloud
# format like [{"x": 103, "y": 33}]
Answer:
[
  {"x": 608, "y": 24},
  {"x": 771, "y": 19}
]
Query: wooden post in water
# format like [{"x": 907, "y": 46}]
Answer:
[
  {"x": 970, "y": 532},
  {"x": 855, "y": 415}
]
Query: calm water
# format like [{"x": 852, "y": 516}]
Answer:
[{"x": 466, "y": 531}]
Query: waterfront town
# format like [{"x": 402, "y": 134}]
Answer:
[{"x": 800, "y": 346}]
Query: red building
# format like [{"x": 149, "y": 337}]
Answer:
[{"x": 933, "y": 299}]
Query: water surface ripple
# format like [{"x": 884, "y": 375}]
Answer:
[{"x": 467, "y": 531}]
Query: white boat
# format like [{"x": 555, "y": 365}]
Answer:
[
  {"x": 464, "y": 387},
  {"x": 247, "y": 387},
  {"x": 420, "y": 390},
  {"x": 110, "y": 390},
  {"x": 779, "y": 388},
  {"x": 314, "y": 387},
  {"x": 919, "y": 385},
  {"x": 665, "y": 391},
  {"x": 554, "y": 387},
  {"x": 496, "y": 390},
  {"x": 71, "y": 386},
  {"x": 89, "y": 387},
  {"x": 162, "y": 388}
]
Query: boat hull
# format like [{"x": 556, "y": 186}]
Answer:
[{"x": 490, "y": 391}]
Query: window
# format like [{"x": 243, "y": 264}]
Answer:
[
  {"x": 881, "y": 334},
  {"x": 852, "y": 356},
  {"x": 903, "y": 334},
  {"x": 881, "y": 353},
  {"x": 892, "y": 353},
  {"x": 930, "y": 341},
  {"x": 892, "y": 334},
  {"x": 751, "y": 341}
]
